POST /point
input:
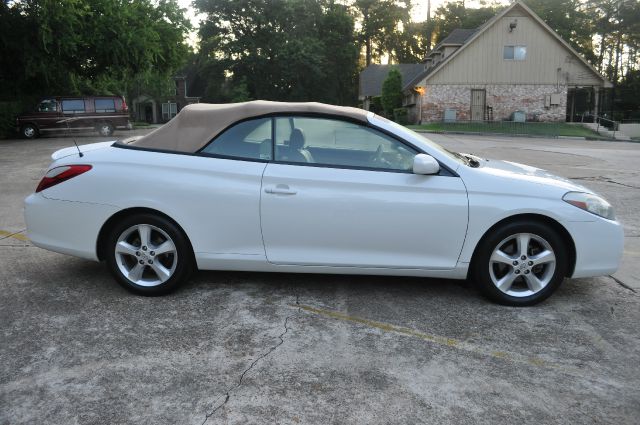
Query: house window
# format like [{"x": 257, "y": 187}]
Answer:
[
  {"x": 169, "y": 110},
  {"x": 515, "y": 53}
]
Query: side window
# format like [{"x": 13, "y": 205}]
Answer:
[
  {"x": 105, "y": 105},
  {"x": 48, "y": 105},
  {"x": 246, "y": 140},
  {"x": 339, "y": 143},
  {"x": 73, "y": 106}
]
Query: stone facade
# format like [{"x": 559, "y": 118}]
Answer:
[{"x": 504, "y": 99}]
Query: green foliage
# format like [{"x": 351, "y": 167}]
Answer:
[
  {"x": 392, "y": 92},
  {"x": 454, "y": 15},
  {"x": 376, "y": 105},
  {"x": 8, "y": 113},
  {"x": 88, "y": 46},
  {"x": 401, "y": 116},
  {"x": 291, "y": 50}
]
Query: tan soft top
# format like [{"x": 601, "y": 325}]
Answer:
[{"x": 197, "y": 124}]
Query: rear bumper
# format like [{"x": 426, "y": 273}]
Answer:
[
  {"x": 65, "y": 226},
  {"x": 599, "y": 247}
]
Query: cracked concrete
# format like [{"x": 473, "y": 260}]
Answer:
[
  {"x": 77, "y": 349},
  {"x": 227, "y": 394}
]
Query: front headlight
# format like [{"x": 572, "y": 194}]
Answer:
[{"x": 591, "y": 203}]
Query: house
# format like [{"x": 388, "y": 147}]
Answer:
[
  {"x": 514, "y": 67},
  {"x": 372, "y": 77},
  {"x": 146, "y": 108}
]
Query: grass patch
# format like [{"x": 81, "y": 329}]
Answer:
[{"x": 548, "y": 129}]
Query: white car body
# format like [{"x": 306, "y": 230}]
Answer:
[{"x": 273, "y": 217}]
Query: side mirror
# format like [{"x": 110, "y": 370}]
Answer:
[{"x": 425, "y": 164}]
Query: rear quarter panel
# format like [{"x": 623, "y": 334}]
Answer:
[{"x": 216, "y": 201}]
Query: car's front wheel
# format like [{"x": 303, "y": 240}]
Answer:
[
  {"x": 521, "y": 263},
  {"x": 148, "y": 254}
]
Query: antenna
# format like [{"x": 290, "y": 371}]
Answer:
[{"x": 66, "y": 121}]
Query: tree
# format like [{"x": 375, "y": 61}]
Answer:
[
  {"x": 454, "y": 15},
  {"x": 300, "y": 50},
  {"x": 88, "y": 46},
  {"x": 382, "y": 23},
  {"x": 392, "y": 91}
]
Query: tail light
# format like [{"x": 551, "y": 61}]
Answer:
[
  {"x": 60, "y": 174},
  {"x": 125, "y": 108}
]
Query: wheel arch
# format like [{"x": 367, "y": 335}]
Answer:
[
  {"x": 111, "y": 221},
  {"x": 540, "y": 218}
]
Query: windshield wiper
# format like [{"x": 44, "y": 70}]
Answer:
[
  {"x": 473, "y": 162},
  {"x": 470, "y": 160}
]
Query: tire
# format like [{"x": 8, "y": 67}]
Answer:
[
  {"x": 29, "y": 131},
  {"x": 133, "y": 257},
  {"x": 105, "y": 129},
  {"x": 504, "y": 276}
]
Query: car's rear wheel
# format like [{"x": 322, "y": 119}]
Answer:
[
  {"x": 148, "y": 254},
  {"x": 29, "y": 131},
  {"x": 520, "y": 264},
  {"x": 105, "y": 129}
]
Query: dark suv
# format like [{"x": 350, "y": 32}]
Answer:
[{"x": 103, "y": 114}]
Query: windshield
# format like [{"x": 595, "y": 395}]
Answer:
[{"x": 412, "y": 135}]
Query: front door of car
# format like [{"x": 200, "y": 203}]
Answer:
[
  {"x": 342, "y": 194},
  {"x": 48, "y": 114}
]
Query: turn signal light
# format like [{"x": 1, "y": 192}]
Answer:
[{"x": 60, "y": 174}]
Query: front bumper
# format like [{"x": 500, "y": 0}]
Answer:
[
  {"x": 599, "y": 246},
  {"x": 65, "y": 226}
]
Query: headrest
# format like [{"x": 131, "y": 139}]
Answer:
[{"x": 296, "y": 140}]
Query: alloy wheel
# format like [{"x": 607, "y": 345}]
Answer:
[
  {"x": 522, "y": 264},
  {"x": 146, "y": 255}
]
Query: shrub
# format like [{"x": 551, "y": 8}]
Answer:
[
  {"x": 401, "y": 116},
  {"x": 8, "y": 113},
  {"x": 392, "y": 91}
]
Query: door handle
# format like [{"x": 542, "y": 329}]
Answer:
[{"x": 281, "y": 189}]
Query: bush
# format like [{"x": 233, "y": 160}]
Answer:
[
  {"x": 401, "y": 116},
  {"x": 376, "y": 105},
  {"x": 392, "y": 91},
  {"x": 8, "y": 113}
]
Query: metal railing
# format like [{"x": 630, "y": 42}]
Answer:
[{"x": 611, "y": 125}]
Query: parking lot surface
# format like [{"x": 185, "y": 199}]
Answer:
[{"x": 236, "y": 348}]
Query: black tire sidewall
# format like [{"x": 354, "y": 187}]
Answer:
[
  {"x": 183, "y": 268},
  {"x": 480, "y": 265}
]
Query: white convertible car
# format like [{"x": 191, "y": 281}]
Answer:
[{"x": 314, "y": 188}]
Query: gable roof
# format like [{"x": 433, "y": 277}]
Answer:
[
  {"x": 372, "y": 77},
  {"x": 429, "y": 72}
]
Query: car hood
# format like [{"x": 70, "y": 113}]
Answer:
[
  {"x": 526, "y": 174},
  {"x": 73, "y": 150}
]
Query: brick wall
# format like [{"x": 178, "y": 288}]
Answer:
[{"x": 505, "y": 99}]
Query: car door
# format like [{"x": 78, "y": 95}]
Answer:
[
  {"x": 74, "y": 114},
  {"x": 342, "y": 194},
  {"x": 48, "y": 114}
]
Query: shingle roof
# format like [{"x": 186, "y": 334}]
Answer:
[
  {"x": 458, "y": 36},
  {"x": 372, "y": 77}
]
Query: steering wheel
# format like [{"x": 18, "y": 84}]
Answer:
[{"x": 376, "y": 157}]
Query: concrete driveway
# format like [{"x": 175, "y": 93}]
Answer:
[{"x": 241, "y": 348}]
